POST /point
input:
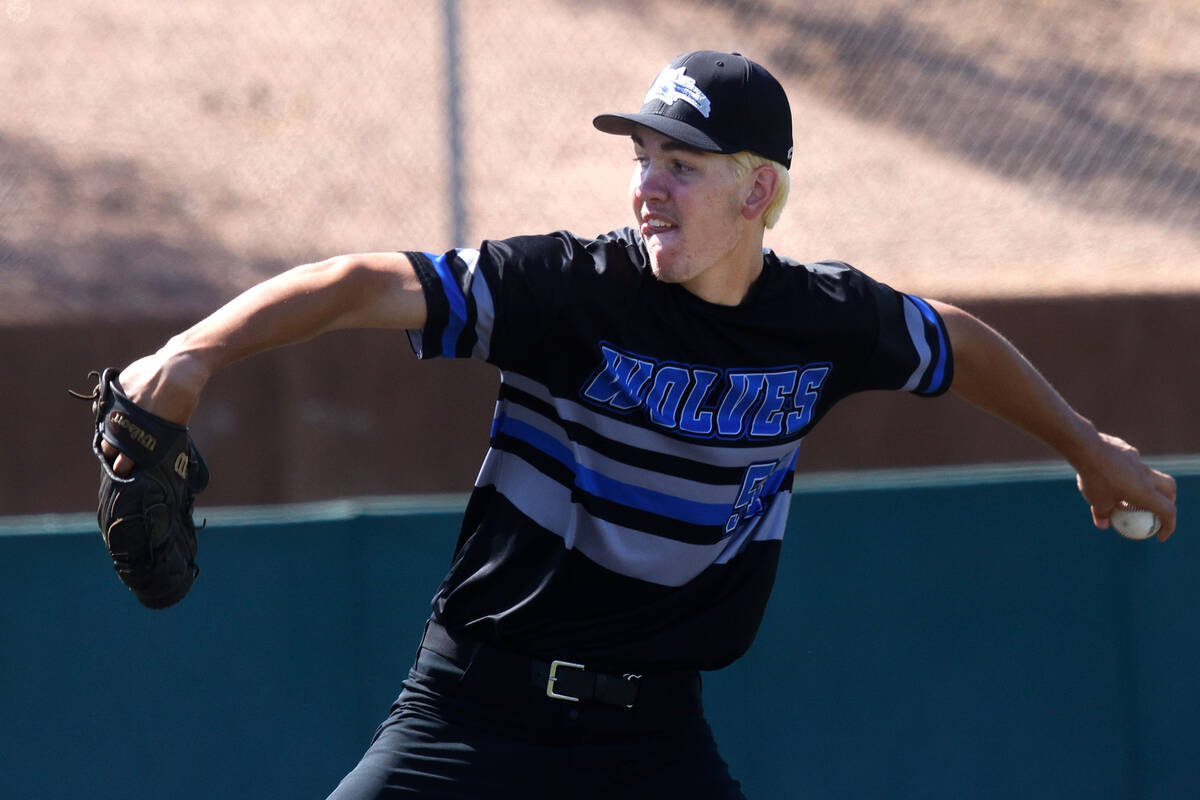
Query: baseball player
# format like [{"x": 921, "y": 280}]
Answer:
[{"x": 656, "y": 384}]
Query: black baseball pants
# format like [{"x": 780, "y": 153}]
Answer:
[{"x": 473, "y": 725}]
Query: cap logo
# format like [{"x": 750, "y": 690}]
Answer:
[{"x": 672, "y": 85}]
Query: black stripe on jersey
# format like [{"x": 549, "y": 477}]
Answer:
[
  {"x": 543, "y": 462},
  {"x": 462, "y": 276},
  {"x": 626, "y": 453},
  {"x": 608, "y": 510},
  {"x": 658, "y": 525}
]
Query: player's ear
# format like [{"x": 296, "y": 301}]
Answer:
[{"x": 764, "y": 181}]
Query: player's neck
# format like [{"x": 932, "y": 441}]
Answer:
[{"x": 727, "y": 283}]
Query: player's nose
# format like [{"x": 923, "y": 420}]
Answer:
[{"x": 651, "y": 183}]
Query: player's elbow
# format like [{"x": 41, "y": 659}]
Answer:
[{"x": 962, "y": 328}]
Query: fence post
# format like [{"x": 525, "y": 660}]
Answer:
[{"x": 458, "y": 211}]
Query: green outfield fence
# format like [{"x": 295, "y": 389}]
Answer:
[{"x": 933, "y": 634}]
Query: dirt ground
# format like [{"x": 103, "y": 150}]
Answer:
[{"x": 156, "y": 157}]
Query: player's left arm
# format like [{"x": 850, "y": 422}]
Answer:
[{"x": 990, "y": 373}]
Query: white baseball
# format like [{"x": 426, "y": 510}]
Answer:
[{"x": 1133, "y": 523}]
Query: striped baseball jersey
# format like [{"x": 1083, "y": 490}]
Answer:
[{"x": 630, "y": 509}]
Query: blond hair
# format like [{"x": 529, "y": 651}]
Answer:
[{"x": 745, "y": 162}]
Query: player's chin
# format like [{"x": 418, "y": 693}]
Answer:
[{"x": 666, "y": 268}]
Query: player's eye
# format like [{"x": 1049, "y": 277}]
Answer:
[{"x": 682, "y": 168}]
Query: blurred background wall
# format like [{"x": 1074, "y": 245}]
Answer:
[{"x": 1037, "y": 161}]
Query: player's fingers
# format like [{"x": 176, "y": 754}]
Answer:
[
  {"x": 1100, "y": 510},
  {"x": 121, "y": 464},
  {"x": 1163, "y": 505},
  {"x": 1164, "y": 483},
  {"x": 1167, "y": 516}
]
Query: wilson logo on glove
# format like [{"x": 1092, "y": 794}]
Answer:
[
  {"x": 145, "y": 517},
  {"x": 140, "y": 436}
]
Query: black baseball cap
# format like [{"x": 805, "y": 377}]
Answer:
[{"x": 717, "y": 102}]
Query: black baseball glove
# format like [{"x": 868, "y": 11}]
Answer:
[{"x": 146, "y": 516}]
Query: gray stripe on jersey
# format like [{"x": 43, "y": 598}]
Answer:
[
  {"x": 633, "y": 553},
  {"x": 916, "y": 331},
  {"x": 770, "y": 525},
  {"x": 485, "y": 309},
  {"x": 718, "y": 455},
  {"x": 621, "y": 471}
]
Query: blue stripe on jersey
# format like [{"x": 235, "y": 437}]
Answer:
[
  {"x": 626, "y": 551},
  {"x": 606, "y": 488},
  {"x": 458, "y": 305},
  {"x": 939, "y": 372},
  {"x": 689, "y": 511},
  {"x": 776, "y": 480}
]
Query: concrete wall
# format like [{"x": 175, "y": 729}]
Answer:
[{"x": 963, "y": 638}]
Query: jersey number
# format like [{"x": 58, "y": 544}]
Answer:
[{"x": 749, "y": 503}]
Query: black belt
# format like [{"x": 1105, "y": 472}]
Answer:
[{"x": 564, "y": 681}]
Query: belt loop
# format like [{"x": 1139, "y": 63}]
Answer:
[
  {"x": 475, "y": 647},
  {"x": 417, "y": 655}
]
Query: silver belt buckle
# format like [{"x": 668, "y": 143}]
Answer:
[{"x": 554, "y": 665}]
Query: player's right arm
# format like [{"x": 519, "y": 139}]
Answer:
[
  {"x": 368, "y": 290},
  {"x": 994, "y": 376}
]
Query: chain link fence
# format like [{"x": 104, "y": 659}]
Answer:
[{"x": 155, "y": 158}]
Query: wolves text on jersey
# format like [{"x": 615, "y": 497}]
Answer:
[{"x": 704, "y": 401}]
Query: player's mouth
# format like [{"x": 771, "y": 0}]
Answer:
[{"x": 655, "y": 225}]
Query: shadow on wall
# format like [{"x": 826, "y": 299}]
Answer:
[
  {"x": 1107, "y": 141},
  {"x": 98, "y": 239}
]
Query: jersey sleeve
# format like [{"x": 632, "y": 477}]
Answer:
[
  {"x": 494, "y": 302},
  {"x": 912, "y": 351}
]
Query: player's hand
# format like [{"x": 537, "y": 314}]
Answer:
[
  {"x": 165, "y": 384},
  {"x": 1116, "y": 477}
]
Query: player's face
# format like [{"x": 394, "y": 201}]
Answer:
[{"x": 688, "y": 204}]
